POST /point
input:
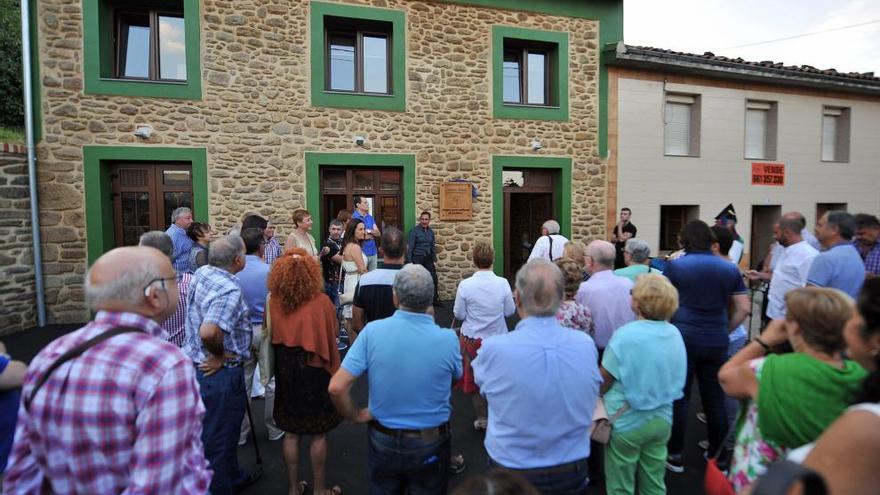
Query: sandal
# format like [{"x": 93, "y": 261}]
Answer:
[
  {"x": 302, "y": 487},
  {"x": 457, "y": 464}
]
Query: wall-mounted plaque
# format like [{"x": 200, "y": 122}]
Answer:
[{"x": 455, "y": 201}]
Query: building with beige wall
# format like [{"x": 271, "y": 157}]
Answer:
[
  {"x": 685, "y": 131},
  {"x": 238, "y": 106}
]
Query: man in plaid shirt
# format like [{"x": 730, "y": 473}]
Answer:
[
  {"x": 865, "y": 241},
  {"x": 125, "y": 416},
  {"x": 218, "y": 340},
  {"x": 174, "y": 324}
]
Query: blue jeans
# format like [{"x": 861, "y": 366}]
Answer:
[
  {"x": 705, "y": 363},
  {"x": 332, "y": 291},
  {"x": 408, "y": 465},
  {"x": 732, "y": 405},
  {"x": 566, "y": 479},
  {"x": 223, "y": 394}
]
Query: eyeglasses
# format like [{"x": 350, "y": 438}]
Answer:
[{"x": 159, "y": 279}]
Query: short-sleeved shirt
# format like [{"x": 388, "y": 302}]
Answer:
[
  {"x": 374, "y": 295},
  {"x": 8, "y": 413},
  {"x": 328, "y": 266},
  {"x": 481, "y": 303},
  {"x": 840, "y": 267},
  {"x": 789, "y": 273},
  {"x": 215, "y": 297},
  {"x": 633, "y": 271},
  {"x": 254, "y": 281},
  {"x": 412, "y": 363},
  {"x": 369, "y": 245},
  {"x": 705, "y": 284},
  {"x": 871, "y": 257}
]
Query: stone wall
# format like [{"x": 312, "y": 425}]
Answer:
[
  {"x": 256, "y": 122},
  {"x": 17, "y": 300}
]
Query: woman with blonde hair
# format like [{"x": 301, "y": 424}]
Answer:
[
  {"x": 792, "y": 397},
  {"x": 644, "y": 368},
  {"x": 576, "y": 252},
  {"x": 301, "y": 236},
  {"x": 302, "y": 327}
]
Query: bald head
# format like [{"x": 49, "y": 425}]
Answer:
[
  {"x": 602, "y": 255},
  {"x": 130, "y": 279},
  {"x": 790, "y": 226},
  {"x": 539, "y": 288}
]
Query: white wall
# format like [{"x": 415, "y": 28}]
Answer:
[{"x": 720, "y": 175}]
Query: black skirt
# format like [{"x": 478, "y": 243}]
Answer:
[{"x": 302, "y": 405}]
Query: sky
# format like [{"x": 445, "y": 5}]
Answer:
[{"x": 722, "y": 27}]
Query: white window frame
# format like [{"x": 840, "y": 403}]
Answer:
[
  {"x": 671, "y": 146},
  {"x": 835, "y": 134},
  {"x": 768, "y": 109}
]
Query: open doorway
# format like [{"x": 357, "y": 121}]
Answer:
[
  {"x": 530, "y": 199},
  {"x": 763, "y": 218},
  {"x": 823, "y": 208}
]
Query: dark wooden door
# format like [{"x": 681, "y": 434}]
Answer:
[
  {"x": 145, "y": 194},
  {"x": 529, "y": 201},
  {"x": 340, "y": 185}
]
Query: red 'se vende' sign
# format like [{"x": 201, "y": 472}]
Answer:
[{"x": 768, "y": 174}]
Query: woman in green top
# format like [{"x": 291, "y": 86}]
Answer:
[{"x": 792, "y": 397}]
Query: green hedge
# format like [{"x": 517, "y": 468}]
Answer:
[{"x": 11, "y": 99}]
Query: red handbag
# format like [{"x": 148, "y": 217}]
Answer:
[{"x": 715, "y": 482}]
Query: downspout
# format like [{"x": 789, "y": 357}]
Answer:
[{"x": 31, "y": 160}]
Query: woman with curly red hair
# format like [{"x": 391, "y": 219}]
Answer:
[{"x": 302, "y": 323}]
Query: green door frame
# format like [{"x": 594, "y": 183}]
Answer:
[
  {"x": 563, "y": 195},
  {"x": 99, "y": 201},
  {"x": 315, "y": 160}
]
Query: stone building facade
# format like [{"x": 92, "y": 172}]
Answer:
[
  {"x": 17, "y": 300},
  {"x": 257, "y": 133}
]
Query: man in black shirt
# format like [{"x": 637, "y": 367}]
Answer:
[
  {"x": 331, "y": 260},
  {"x": 623, "y": 231},
  {"x": 373, "y": 299},
  {"x": 421, "y": 250}
]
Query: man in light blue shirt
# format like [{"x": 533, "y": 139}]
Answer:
[
  {"x": 542, "y": 383},
  {"x": 254, "y": 281},
  {"x": 412, "y": 363},
  {"x": 840, "y": 265},
  {"x": 181, "y": 219},
  {"x": 362, "y": 211}
]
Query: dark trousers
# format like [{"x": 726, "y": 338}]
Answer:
[
  {"x": 565, "y": 479},
  {"x": 704, "y": 362},
  {"x": 428, "y": 263},
  {"x": 415, "y": 466},
  {"x": 223, "y": 394},
  {"x": 332, "y": 291}
]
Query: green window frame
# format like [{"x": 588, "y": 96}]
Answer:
[
  {"x": 321, "y": 96},
  {"x": 558, "y": 73},
  {"x": 98, "y": 57},
  {"x": 100, "y": 236},
  {"x": 314, "y": 161},
  {"x": 563, "y": 192}
]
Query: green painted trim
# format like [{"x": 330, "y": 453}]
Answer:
[
  {"x": 99, "y": 204},
  {"x": 562, "y": 209},
  {"x": 97, "y": 57},
  {"x": 36, "y": 87},
  {"x": 593, "y": 9},
  {"x": 559, "y": 61},
  {"x": 322, "y": 98},
  {"x": 313, "y": 190}
]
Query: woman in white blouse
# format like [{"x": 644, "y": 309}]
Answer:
[{"x": 481, "y": 304}]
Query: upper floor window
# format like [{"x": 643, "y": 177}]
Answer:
[
  {"x": 527, "y": 73},
  {"x": 150, "y": 44},
  {"x": 760, "y": 130},
  {"x": 835, "y": 134},
  {"x": 358, "y": 56},
  {"x": 681, "y": 125}
]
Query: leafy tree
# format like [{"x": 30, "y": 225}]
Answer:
[{"x": 11, "y": 100}]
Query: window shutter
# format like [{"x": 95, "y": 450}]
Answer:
[
  {"x": 678, "y": 127},
  {"x": 756, "y": 133},
  {"x": 829, "y": 137}
]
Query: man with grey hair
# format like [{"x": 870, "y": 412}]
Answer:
[
  {"x": 540, "y": 368},
  {"x": 218, "y": 340},
  {"x": 181, "y": 219},
  {"x": 412, "y": 363},
  {"x": 637, "y": 256},
  {"x": 606, "y": 295},
  {"x": 839, "y": 266},
  {"x": 550, "y": 245},
  {"x": 174, "y": 325},
  {"x": 128, "y": 394}
]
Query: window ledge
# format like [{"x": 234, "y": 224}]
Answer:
[
  {"x": 834, "y": 161},
  {"x": 684, "y": 156},
  {"x": 527, "y": 105},
  {"x": 352, "y": 93},
  {"x": 142, "y": 81}
]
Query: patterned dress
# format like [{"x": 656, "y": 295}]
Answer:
[{"x": 572, "y": 314}]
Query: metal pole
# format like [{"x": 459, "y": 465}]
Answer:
[{"x": 32, "y": 161}]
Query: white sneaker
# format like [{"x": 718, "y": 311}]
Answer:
[
  {"x": 242, "y": 440},
  {"x": 277, "y": 436},
  {"x": 480, "y": 424}
]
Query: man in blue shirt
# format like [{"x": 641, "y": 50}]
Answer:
[
  {"x": 362, "y": 211},
  {"x": 11, "y": 379},
  {"x": 254, "y": 285},
  {"x": 542, "y": 383},
  {"x": 181, "y": 219},
  {"x": 412, "y": 363},
  {"x": 839, "y": 266}
]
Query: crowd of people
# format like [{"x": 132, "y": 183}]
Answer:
[{"x": 152, "y": 396}]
